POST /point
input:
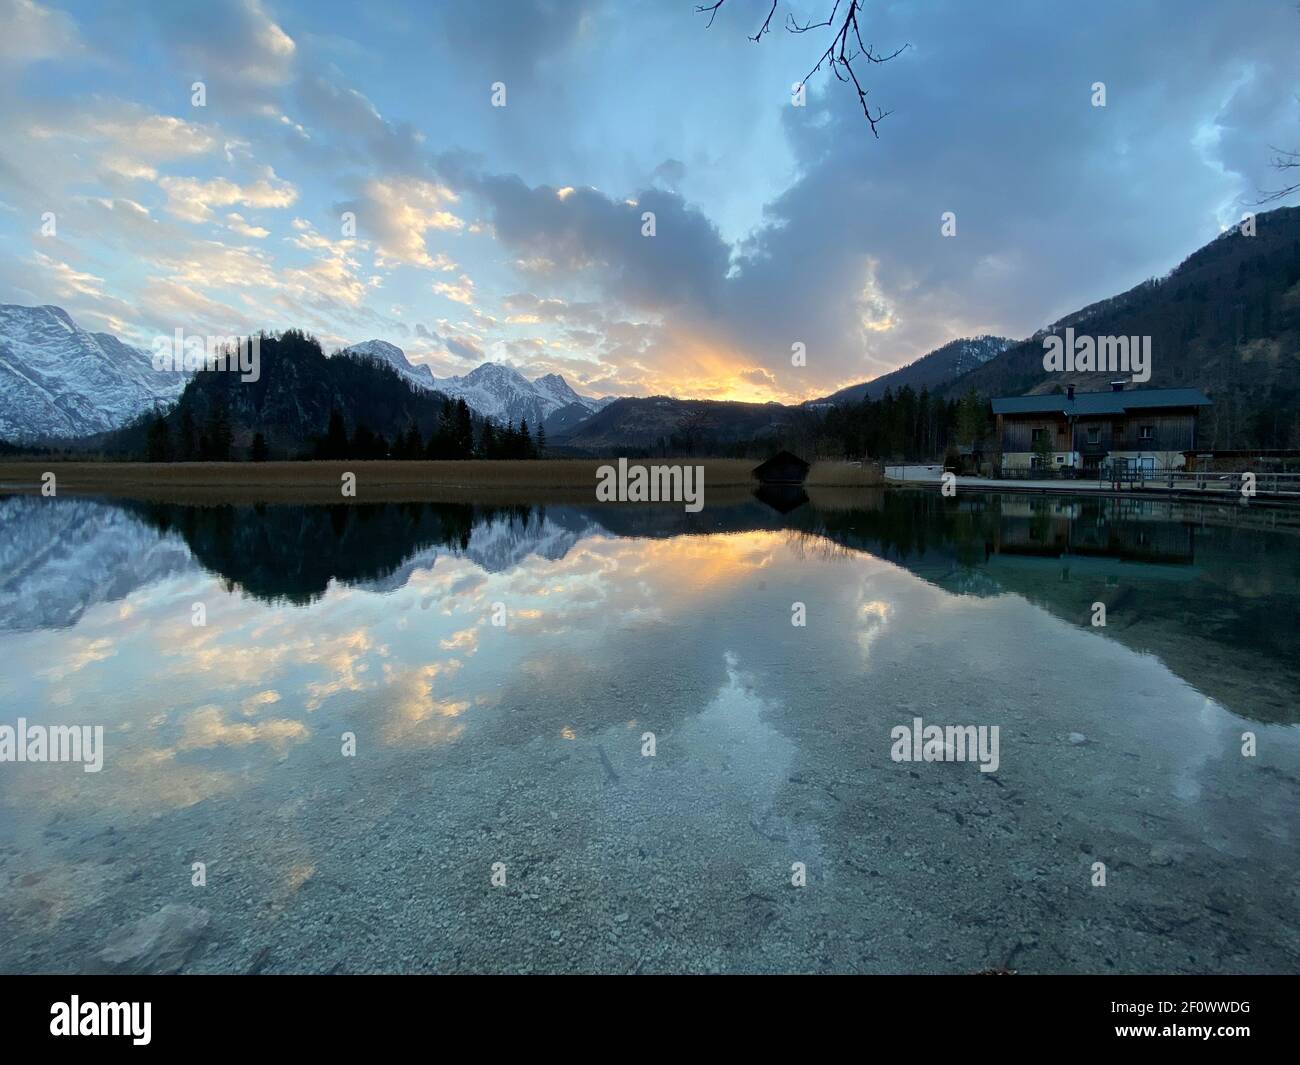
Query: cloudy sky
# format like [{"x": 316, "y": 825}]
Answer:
[{"x": 515, "y": 233}]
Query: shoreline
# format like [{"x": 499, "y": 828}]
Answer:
[{"x": 385, "y": 481}]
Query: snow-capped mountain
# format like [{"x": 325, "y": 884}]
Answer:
[
  {"x": 503, "y": 394},
  {"x": 493, "y": 390},
  {"x": 61, "y": 559},
  {"x": 381, "y": 351},
  {"x": 499, "y": 545},
  {"x": 555, "y": 387},
  {"x": 56, "y": 379}
]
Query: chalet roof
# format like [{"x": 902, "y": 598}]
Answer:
[{"x": 1085, "y": 404}]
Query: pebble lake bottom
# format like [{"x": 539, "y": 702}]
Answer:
[{"x": 499, "y": 811}]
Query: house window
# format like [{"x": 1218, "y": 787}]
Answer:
[
  {"x": 1039, "y": 435},
  {"x": 1094, "y": 434},
  {"x": 1119, "y": 430},
  {"x": 1147, "y": 432}
]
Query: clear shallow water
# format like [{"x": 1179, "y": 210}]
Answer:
[{"x": 522, "y": 743}]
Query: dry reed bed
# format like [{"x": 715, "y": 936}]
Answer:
[{"x": 556, "y": 480}]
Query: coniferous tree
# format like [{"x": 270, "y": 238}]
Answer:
[
  {"x": 335, "y": 445},
  {"x": 464, "y": 439},
  {"x": 187, "y": 446},
  {"x": 222, "y": 433},
  {"x": 971, "y": 420},
  {"x": 158, "y": 443},
  {"x": 363, "y": 445},
  {"x": 414, "y": 445}
]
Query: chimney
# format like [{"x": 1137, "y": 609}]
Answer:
[
  {"x": 1069, "y": 391},
  {"x": 1117, "y": 386}
]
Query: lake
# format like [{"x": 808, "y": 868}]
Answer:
[{"x": 445, "y": 737}]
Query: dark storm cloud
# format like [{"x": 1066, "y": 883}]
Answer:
[{"x": 584, "y": 232}]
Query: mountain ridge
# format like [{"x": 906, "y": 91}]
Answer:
[
  {"x": 1225, "y": 320},
  {"x": 492, "y": 389},
  {"x": 60, "y": 380},
  {"x": 936, "y": 368}
]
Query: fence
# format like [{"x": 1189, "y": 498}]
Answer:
[
  {"x": 1037, "y": 473},
  {"x": 1129, "y": 475},
  {"x": 1266, "y": 483}
]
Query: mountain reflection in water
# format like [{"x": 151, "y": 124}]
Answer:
[
  {"x": 1171, "y": 576},
  {"x": 522, "y": 741}
]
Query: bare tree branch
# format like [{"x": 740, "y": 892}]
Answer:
[
  {"x": 793, "y": 26},
  {"x": 840, "y": 54},
  {"x": 767, "y": 22},
  {"x": 1286, "y": 159},
  {"x": 712, "y": 10}
]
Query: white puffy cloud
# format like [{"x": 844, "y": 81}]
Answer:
[
  {"x": 397, "y": 213},
  {"x": 193, "y": 199},
  {"x": 461, "y": 291}
]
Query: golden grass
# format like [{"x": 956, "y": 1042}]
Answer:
[
  {"x": 557, "y": 480},
  {"x": 825, "y": 474}
]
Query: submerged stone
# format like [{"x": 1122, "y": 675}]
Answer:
[{"x": 160, "y": 943}]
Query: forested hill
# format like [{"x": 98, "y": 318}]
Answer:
[
  {"x": 1226, "y": 320},
  {"x": 930, "y": 371},
  {"x": 290, "y": 406}
]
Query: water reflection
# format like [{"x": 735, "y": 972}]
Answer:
[
  {"x": 499, "y": 668},
  {"x": 1193, "y": 585}
]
